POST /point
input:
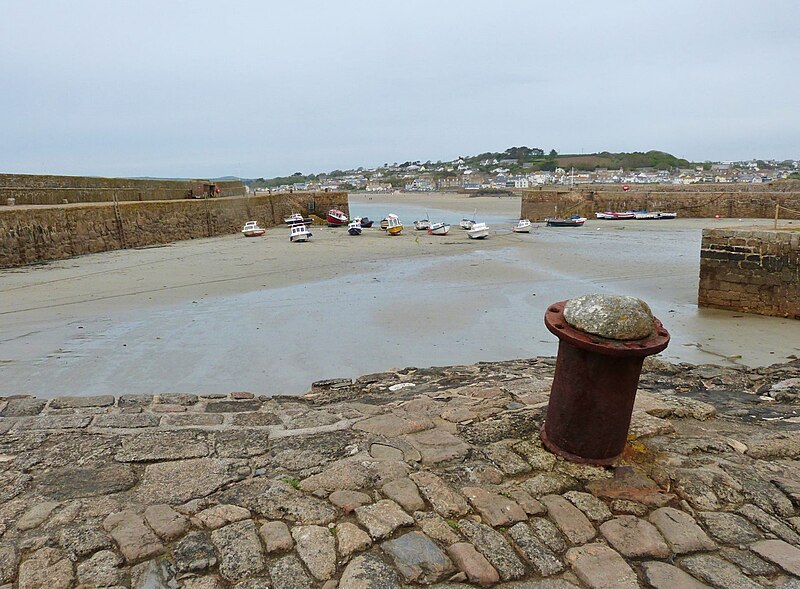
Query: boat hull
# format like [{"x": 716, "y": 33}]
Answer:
[
  {"x": 565, "y": 222},
  {"x": 336, "y": 218},
  {"x": 254, "y": 233},
  {"x": 394, "y": 230},
  {"x": 439, "y": 229}
]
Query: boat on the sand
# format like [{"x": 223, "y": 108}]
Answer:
[
  {"x": 299, "y": 232},
  {"x": 336, "y": 218},
  {"x": 575, "y": 221},
  {"x": 354, "y": 228},
  {"x": 524, "y": 226},
  {"x": 615, "y": 215},
  {"x": 440, "y": 228},
  {"x": 393, "y": 225},
  {"x": 478, "y": 231},
  {"x": 295, "y": 218},
  {"x": 251, "y": 229}
]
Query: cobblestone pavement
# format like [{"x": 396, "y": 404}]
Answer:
[{"x": 417, "y": 477}]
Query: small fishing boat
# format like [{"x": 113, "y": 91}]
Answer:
[
  {"x": 336, "y": 218},
  {"x": 439, "y": 229},
  {"x": 422, "y": 224},
  {"x": 478, "y": 231},
  {"x": 615, "y": 215},
  {"x": 468, "y": 223},
  {"x": 524, "y": 226},
  {"x": 575, "y": 221},
  {"x": 295, "y": 218},
  {"x": 384, "y": 224},
  {"x": 251, "y": 229},
  {"x": 354, "y": 228},
  {"x": 365, "y": 222},
  {"x": 663, "y": 216},
  {"x": 299, "y": 232},
  {"x": 394, "y": 226}
]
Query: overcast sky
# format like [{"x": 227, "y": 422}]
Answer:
[{"x": 203, "y": 88}]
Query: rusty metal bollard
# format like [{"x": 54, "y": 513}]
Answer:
[{"x": 603, "y": 341}]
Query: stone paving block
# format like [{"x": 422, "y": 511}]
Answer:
[
  {"x": 524, "y": 500},
  {"x": 494, "y": 547},
  {"x": 495, "y": 509},
  {"x": 36, "y": 515},
  {"x": 625, "y": 507},
  {"x": 351, "y": 539},
  {"x": 9, "y": 561},
  {"x": 569, "y": 519},
  {"x": 382, "y": 518},
  {"x": 125, "y": 420},
  {"x": 287, "y": 573},
  {"x": 191, "y": 419},
  {"x": 473, "y": 564},
  {"x": 347, "y": 501},
  {"x": 151, "y": 446},
  {"x": 281, "y": 501},
  {"x": 445, "y": 501},
  {"x": 404, "y": 492},
  {"x": 534, "y": 551},
  {"x": 549, "y": 483},
  {"x": 434, "y": 526},
  {"x": 80, "y": 402},
  {"x": 240, "y": 550},
  {"x": 591, "y": 506},
  {"x": 101, "y": 570},
  {"x": 183, "y": 480},
  {"x": 506, "y": 459},
  {"x": 681, "y": 531},
  {"x": 254, "y": 419},
  {"x": 53, "y": 422},
  {"x": 136, "y": 541},
  {"x": 781, "y": 553},
  {"x": 23, "y": 407},
  {"x": 185, "y": 399},
  {"x": 47, "y": 568},
  {"x": 194, "y": 552},
  {"x": 369, "y": 571},
  {"x": 600, "y": 567},
  {"x": 769, "y": 523},
  {"x": 276, "y": 537},
  {"x": 217, "y": 516},
  {"x": 634, "y": 537},
  {"x": 730, "y": 528},
  {"x": 417, "y": 558},
  {"x": 437, "y": 445},
  {"x": 548, "y": 533},
  {"x": 535, "y": 454},
  {"x": 316, "y": 547},
  {"x": 630, "y": 484},
  {"x": 661, "y": 575},
  {"x": 166, "y": 522},
  {"x": 717, "y": 572},
  {"x": 134, "y": 401},
  {"x": 748, "y": 562},
  {"x": 233, "y": 406},
  {"x": 392, "y": 425},
  {"x": 83, "y": 539}
]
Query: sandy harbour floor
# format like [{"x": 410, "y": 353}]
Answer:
[{"x": 269, "y": 316}]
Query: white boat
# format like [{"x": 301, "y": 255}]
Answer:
[
  {"x": 422, "y": 224},
  {"x": 251, "y": 229},
  {"x": 299, "y": 232},
  {"x": 295, "y": 218},
  {"x": 615, "y": 215},
  {"x": 354, "y": 228},
  {"x": 524, "y": 226},
  {"x": 393, "y": 225},
  {"x": 478, "y": 231},
  {"x": 439, "y": 229}
]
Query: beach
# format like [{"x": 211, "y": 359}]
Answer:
[{"x": 268, "y": 316}]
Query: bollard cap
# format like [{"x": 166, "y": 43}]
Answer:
[{"x": 614, "y": 317}]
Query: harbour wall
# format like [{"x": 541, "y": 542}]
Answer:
[
  {"x": 751, "y": 270},
  {"x": 31, "y": 234},
  {"x": 701, "y": 201},
  {"x": 30, "y": 189}
]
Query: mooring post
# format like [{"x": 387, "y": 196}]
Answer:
[{"x": 603, "y": 341}]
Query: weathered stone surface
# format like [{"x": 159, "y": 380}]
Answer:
[
  {"x": 495, "y": 509},
  {"x": 730, "y": 528},
  {"x": 23, "y": 407},
  {"x": 125, "y": 420},
  {"x": 544, "y": 584},
  {"x": 79, "y": 402},
  {"x": 782, "y": 444},
  {"x": 748, "y": 562},
  {"x": 534, "y": 551},
  {"x": 183, "y": 480},
  {"x": 393, "y": 425},
  {"x": 644, "y": 425},
  {"x": 549, "y": 483},
  {"x": 185, "y": 399},
  {"x": 135, "y": 540},
  {"x": 347, "y": 501},
  {"x": 194, "y": 553},
  {"x": 369, "y": 571},
  {"x": 591, "y": 506},
  {"x": 473, "y": 564},
  {"x": 434, "y": 526},
  {"x": 625, "y": 507},
  {"x": 316, "y": 547},
  {"x": 36, "y": 515},
  {"x": 287, "y": 572},
  {"x": 600, "y": 567},
  {"x": 382, "y": 518},
  {"x": 444, "y": 500},
  {"x": 233, "y": 406},
  {"x": 214, "y": 582},
  {"x": 707, "y": 489},
  {"x": 437, "y": 445},
  {"x": 191, "y": 419},
  {"x": 614, "y": 317},
  {"x": 134, "y": 400},
  {"x": 101, "y": 570},
  {"x": 681, "y": 531},
  {"x": 769, "y": 523},
  {"x": 93, "y": 480},
  {"x": 47, "y": 568},
  {"x": 53, "y": 422},
  {"x": 165, "y": 521},
  {"x": 162, "y": 445},
  {"x": 254, "y": 419},
  {"x": 661, "y": 575},
  {"x": 221, "y": 515},
  {"x": 630, "y": 484},
  {"x": 493, "y": 546},
  {"x": 351, "y": 539},
  {"x": 781, "y": 553},
  {"x": 240, "y": 550},
  {"x": 385, "y": 452},
  {"x": 80, "y": 540},
  {"x": 501, "y": 454},
  {"x": 535, "y": 454},
  {"x": 417, "y": 558},
  {"x": 569, "y": 519},
  {"x": 548, "y": 533},
  {"x": 276, "y": 537},
  {"x": 404, "y": 492},
  {"x": 634, "y": 537},
  {"x": 9, "y": 561},
  {"x": 716, "y": 572}
]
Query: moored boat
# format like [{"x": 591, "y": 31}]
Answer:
[
  {"x": 663, "y": 216},
  {"x": 524, "y": 226},
  {"x": 575, "y": 221},
  {"x": 393, "y": 225},
  {"x": 299, "y": 232},
  {"x": 251, "y": 229},
  {"x": 441, "y": 228},
  {"x": 422, "y": 224},
  {"x": 295, "y": 218},
  {"x": 365, "y": 222},
  {"x": 615, "y": 215},
  {"x": 336, "y": 218},
  {"x": 384, "y": 224},
  {"x": 478, "y": 231},
  {"x": 354, "y": 228}
]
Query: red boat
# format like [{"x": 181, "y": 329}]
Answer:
[{"x": 336, "y": 218}]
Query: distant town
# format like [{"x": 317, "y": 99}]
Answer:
[{"x": 524, "y": 167}]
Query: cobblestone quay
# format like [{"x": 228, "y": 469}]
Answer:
[{"x": 417, "y": 477}]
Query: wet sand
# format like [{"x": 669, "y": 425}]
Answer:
[{"x": 270, "y": 316}]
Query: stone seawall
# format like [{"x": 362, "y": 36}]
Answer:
[
  {"x": 755, "y": 271},
  {"x": 37, "y": 234},
  {"x": 734, "y": 201},
  {"x": 29, "y": 189},
  {"x": 411, "y": 478}
]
